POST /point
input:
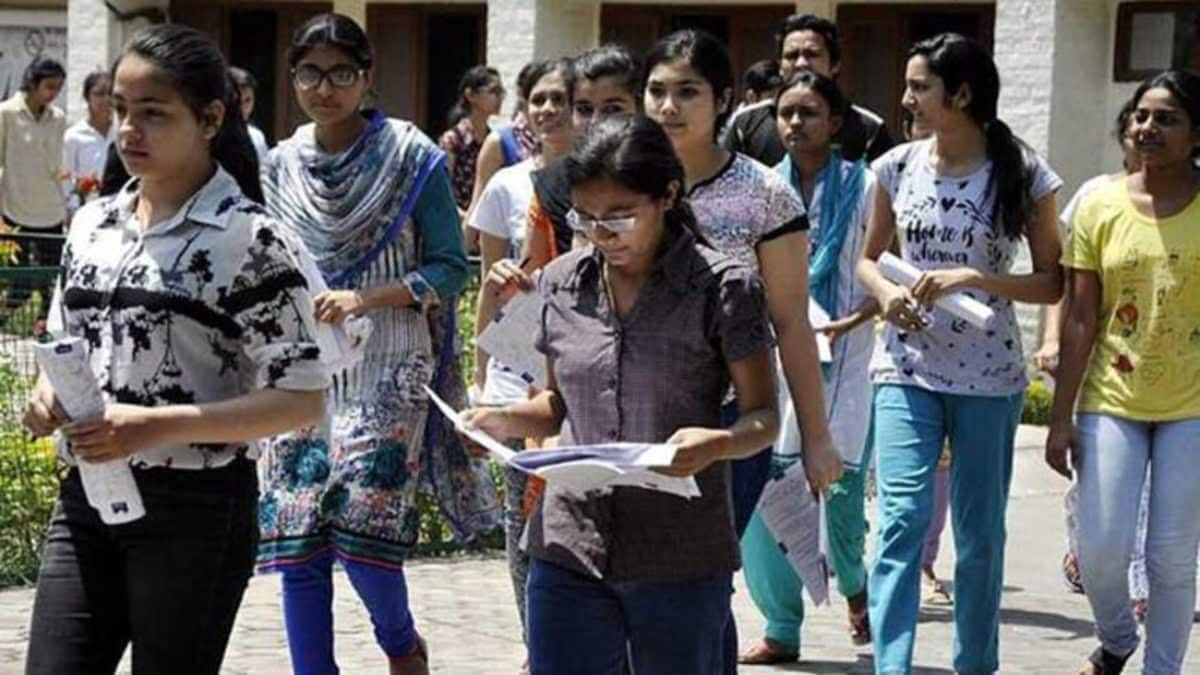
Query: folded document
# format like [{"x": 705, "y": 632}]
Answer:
[{"x": 586, "y": 467}]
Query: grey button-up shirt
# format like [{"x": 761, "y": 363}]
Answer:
[{"x": 639, "y": 378}]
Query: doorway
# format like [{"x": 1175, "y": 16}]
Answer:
[
  {"x": 748, "y": 30},
  {"x": 416, "y": 76},
  {"x": 876, "y": 39}
]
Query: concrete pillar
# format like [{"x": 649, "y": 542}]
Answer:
[
  {"x": 519, "y": 31},
  {"x": 1081, "y": 67},
  {"x": 1053, "y": 57},
  {"x": 95, "y": 37},
  {"x": 1024, "y": 53}
]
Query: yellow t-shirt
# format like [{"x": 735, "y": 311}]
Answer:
[{"x": 1146, "y": 362}]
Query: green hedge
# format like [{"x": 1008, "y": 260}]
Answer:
[{"x": 28, "y": 483}]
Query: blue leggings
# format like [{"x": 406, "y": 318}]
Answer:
[
  {"x": 308, "y": 611},
  {"x": 910, "y": 424}
]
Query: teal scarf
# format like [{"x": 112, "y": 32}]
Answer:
[{"x": 839, "y": 198}]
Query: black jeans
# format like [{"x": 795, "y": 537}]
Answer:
[{"x": 170, "y": 583}]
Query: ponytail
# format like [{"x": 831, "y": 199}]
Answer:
[
  {"x": 1012, "y": 175},
  {"x": 233, "y": 149},
  {"x": 680, "y": 217}
]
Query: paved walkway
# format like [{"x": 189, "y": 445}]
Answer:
[{"x": 464, "y": 607}]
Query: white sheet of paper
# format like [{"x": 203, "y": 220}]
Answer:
[
  {"x": 501, "y": 452},
  {"x": 796, "y": 520},
  {"x": 342, "y": 345},
  {"x": 509, "y": 338},
  {"x": 109, "y": 486},
  {"x": 583, "y": 468},
  {"x": 817, "y": 317},
  {"x": 957, "y": 303}
]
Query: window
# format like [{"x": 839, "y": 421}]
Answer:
[{"x": 1155, "y": 36}]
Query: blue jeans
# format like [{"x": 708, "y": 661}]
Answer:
[
  {"x": 910, "y": 424},
  {"x": 586, "y": 626},
  {"x": 308, "y": 611},
  {"x": 1111, "y": 463}
]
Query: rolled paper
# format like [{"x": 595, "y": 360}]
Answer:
[{"x": 957, "y": 303}]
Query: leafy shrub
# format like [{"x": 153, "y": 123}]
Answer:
[
  {"x": 1038, "y": 401},
  {"x": 28, "y": 484}
]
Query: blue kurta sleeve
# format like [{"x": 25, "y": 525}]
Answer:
[{"x": 443, "y": 268}]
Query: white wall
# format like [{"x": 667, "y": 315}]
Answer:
[
  {"x": 519, "y": 31},
  {"x": 24, "y": 34},
  {"x": 1082, "y": 67},
  {"x": 95, "y": 37}
]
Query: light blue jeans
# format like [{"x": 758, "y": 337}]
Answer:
[
  {"x": 1113, "y": 456},
  {"x": 910, "y": 426}
]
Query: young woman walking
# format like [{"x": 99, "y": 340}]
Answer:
[
  {"x": 1130, "y": 349},
  {"x": 960, "y": 202},
  {"x": 200, "y": 332}
]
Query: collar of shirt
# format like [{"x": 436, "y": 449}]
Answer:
[
  {"x": 212, "y": 205},
  {"x": 85, "y": 129},
  {"x": 47, "y": 112},
  {"x": 675, "y": 264}
]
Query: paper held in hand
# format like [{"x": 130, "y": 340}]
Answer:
[
  {"x": 109, "y": 486},
  {"x": 586, "y": 467},
  {"x": 796, "y": 520},
  {"x": 509, "y": 338},
  {"x": 957, "y": 303}
]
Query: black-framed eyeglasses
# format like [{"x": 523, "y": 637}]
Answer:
[{"x": 341, "y": 76}]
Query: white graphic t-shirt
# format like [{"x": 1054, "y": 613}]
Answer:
[{"x": 945, "y": 222}]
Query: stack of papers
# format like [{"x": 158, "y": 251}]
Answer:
[{"x": 585, "y": 468}]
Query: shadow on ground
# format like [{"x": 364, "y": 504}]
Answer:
[
  {"x": 1072, "y": 627},
  {"x": 862, "y": 665}
]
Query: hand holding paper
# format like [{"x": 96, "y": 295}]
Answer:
[
  {"x": 509, "y": 338},
  {"x": 959, "y": 304},
  {"x": 584, "y": 468},
  {"x": 109, "y": 486}
]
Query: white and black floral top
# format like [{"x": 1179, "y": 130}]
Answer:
[{"x": 205, "y": 306}]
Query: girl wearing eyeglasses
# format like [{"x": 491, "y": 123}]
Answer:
[
  {"x": 371, "y": 199},
  {"x": 643, "y": 330}
]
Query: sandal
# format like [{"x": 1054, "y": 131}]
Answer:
[
  {"x": 1141, "y": 607},
  {"x": 1070, "y": 570},
  {"x": 1104, "y": 663},
  {"x": 860, "y": 620},
  {"x": 767, "y": 652},
  {"x": 935, "y": 592}
]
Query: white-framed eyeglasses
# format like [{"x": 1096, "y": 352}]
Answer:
[{"x": 588, "y": 224}]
